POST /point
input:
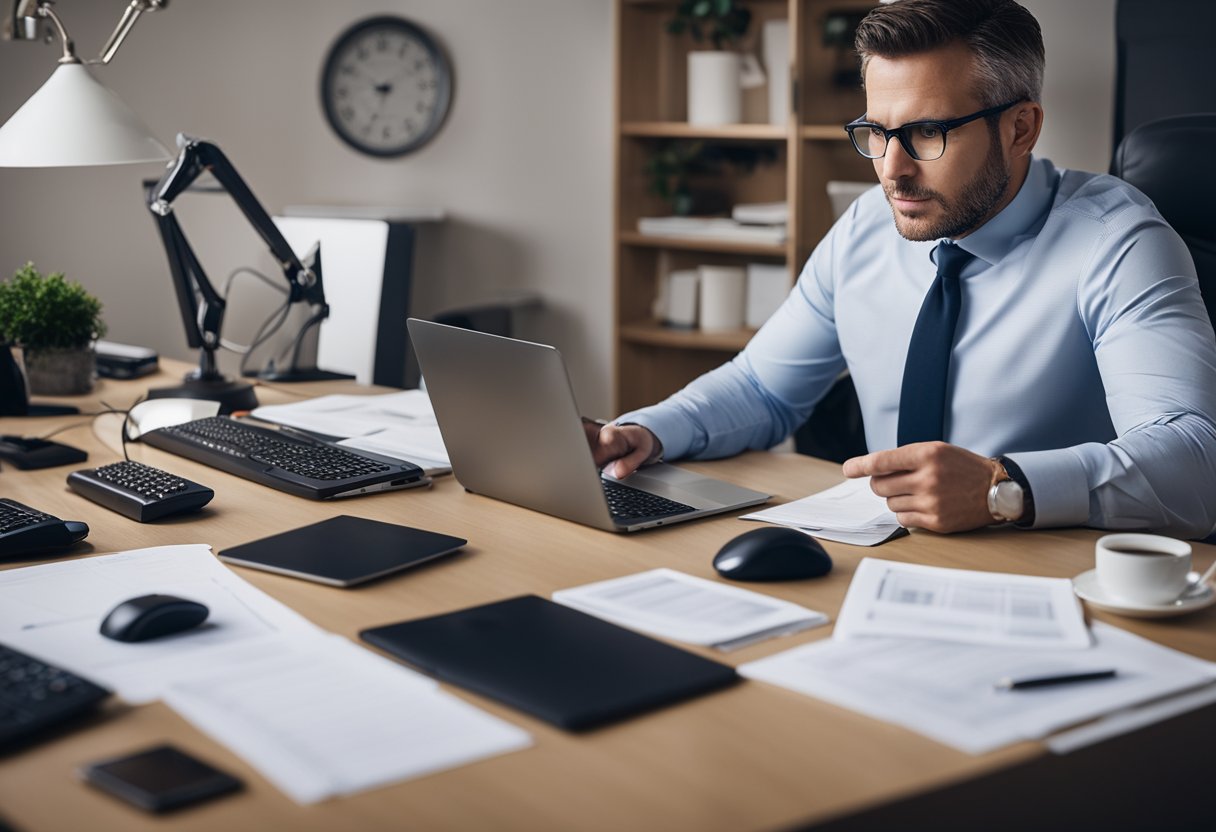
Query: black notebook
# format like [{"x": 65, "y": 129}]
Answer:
[
  {"x": 554, "y": 662},
  {"x": 343, "y": 551}
]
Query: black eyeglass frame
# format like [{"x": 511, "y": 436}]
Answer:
[{"x": 902, "y": 134}]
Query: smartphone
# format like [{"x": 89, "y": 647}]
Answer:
[{"x": 159, "y": 779}]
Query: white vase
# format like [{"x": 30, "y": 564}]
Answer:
[
  {"x": 723, "y": 297},
  {"x": 714, "y": 96}
]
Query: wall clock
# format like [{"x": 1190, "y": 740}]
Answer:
[{"x": 386, "y": 86}]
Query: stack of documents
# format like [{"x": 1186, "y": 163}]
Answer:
[
  {"x": 714, "y": 228},
  {"x": 680, "y": 607},
  {"x": 847, "y": 513},
  {"x": 401, "y": 425},
  {"x": 761, "y": 213},
  {"x": 934, "y": 649},
  {"x": 317, "y": 715}
]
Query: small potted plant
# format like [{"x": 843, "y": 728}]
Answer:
[
  {"x": 714, "y": 95},
  {"x": 675, "y": 167},
  {"x": 54, "y": 322}
]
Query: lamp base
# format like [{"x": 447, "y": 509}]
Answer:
[
  {"x": 232, "y": 395},
  {"x": 303, "y": 374}
]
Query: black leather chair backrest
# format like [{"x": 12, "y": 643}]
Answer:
[{"x": 1170, "y": 160}]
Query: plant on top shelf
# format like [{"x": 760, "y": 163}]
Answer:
[
  {"x": 675, "y": 164},
  {"x": 724, "y": 22},
  {"x": 714, "y": 93},
  {"x": 55, "y": 322}
]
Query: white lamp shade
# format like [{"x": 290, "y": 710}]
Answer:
[{"x": 76, "y": 120}]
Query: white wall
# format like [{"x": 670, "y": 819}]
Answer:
[{"x": 523, "y": 165}]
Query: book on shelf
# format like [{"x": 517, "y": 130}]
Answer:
[
  {"x": 711, "y": 228},
  {"x": 761, "y": 213}
]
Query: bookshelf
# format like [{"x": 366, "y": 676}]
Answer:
[{"x": 652, "y": 361}]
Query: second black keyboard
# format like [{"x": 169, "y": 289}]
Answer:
[
  {"x": 295, "y": 464},
  {"x": 139, "y": 491}
]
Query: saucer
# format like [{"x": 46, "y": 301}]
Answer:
[{"x": 1087, "y": 589}]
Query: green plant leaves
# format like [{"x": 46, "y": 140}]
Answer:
[
  {"x": 725, "y": 21},
  {"x": 38, "y": 312}
]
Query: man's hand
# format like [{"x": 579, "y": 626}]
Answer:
[
  {"x": 930, "y": 485},
  {"x": 631, "y": 446}
]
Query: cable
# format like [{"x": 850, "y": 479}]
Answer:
[
  {"x": 264, "y": 334},
  {"x": 92, "y": 417},
  {"x": 232, "y": 346}
]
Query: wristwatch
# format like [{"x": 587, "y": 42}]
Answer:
[{"x": 1009, "y": 497}]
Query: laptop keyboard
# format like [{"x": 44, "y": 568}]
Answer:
[{"x": 629, "y": 504}]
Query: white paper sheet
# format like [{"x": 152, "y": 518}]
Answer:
[
  {"x": 685, "y": 608},
  {"x": 400, "y": 425},
  {"x": 947, "y": 691},
  {"x": 329, "y": 718},
  {"x": 887, "y": 598},
  {"x": 54, "y": 610},
  {"x": 847, "y": 513}
]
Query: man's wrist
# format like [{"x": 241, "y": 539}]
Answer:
[
  {"x": 656, "y": 454},
  {"x": 1009, "y": 496}
]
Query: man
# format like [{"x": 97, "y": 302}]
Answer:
[{"x": 1027, "y": 343}]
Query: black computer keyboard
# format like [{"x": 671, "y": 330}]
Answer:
[
  {"x": 28, "y": 531},
  {"x": 295, "y": 464},
  {"x": 36, "y": 695},
  {"x": 629, "y": 504},
  {"x": 139, "y": 491}
]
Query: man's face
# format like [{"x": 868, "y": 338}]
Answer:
[{"x": 953, "y": 195}]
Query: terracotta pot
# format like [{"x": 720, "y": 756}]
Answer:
[{"x": 60, "y": 372}]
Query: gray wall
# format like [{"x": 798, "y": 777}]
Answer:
[{"x": 523, "y": 165}]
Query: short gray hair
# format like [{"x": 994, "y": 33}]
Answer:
[{"x": 1004, "y": 38}]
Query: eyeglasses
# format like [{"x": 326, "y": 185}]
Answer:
[{"x": 924, "y": 141}]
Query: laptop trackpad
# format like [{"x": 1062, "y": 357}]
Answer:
[{"x": 683, "y": 485}]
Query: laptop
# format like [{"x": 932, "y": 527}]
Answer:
[{"x": 513, "y": 432}]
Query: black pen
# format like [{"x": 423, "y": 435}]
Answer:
[{"x": 1010, "y": 683}]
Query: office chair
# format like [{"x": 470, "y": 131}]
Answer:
[
  {"x": 1169, "y": 161},
  {"x": 834, "y": 430},
  {"x": 1164, "y": 61}
]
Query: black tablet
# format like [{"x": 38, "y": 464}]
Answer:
[
  {"x": 564, "y": 666},
  {"x": 343, "y": 551}
]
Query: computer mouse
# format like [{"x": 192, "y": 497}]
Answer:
[
  {"x": 152, "y": 616},
  {"x": 773, "y": 553}
]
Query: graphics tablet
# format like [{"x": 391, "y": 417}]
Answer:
[
  {"x": 343, "y": 551},
  {"x": 556, "y": 663}
]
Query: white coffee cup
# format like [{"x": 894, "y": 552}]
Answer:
[{"x": 1142, "y": 568}]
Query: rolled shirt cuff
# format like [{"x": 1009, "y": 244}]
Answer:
[{"x": 1059, "y": 484}]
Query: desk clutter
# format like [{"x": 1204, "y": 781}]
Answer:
[{"x": 973, "y": 660}]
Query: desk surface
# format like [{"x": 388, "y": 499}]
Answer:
[{"x": 752, "y": 757}]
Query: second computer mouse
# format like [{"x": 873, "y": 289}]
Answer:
[
  {"x": 152, "y": 616},
  {"x": 773, "y": 553}
]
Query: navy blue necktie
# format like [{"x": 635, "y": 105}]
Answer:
[{"x": 922, "y": 400}]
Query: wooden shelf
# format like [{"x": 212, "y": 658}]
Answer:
[
  {"x": 637, "y": 238},
  {"x": 800, "y": 156},
  {"x": 654, "y": 334},
  {"x": 823, "y": 132},
  {"x": 683, "y": 130}
]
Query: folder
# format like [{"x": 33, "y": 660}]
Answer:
[{"x": 558, "y": 664}]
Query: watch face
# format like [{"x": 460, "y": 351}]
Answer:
[{"x": 386, "y": 86}]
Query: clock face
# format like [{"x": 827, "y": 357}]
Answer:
[{"x": 386, "y": 86}]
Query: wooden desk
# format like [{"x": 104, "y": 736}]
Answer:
[{"x": 752, "y": 757}]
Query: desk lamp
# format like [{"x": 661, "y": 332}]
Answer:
[
  {"x": 74, "y": 120},
  {"x": 201, "y": 306}
]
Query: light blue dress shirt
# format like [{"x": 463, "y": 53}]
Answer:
[{"x": 1083, "y": 352}]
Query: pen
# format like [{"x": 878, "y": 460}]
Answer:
[{"x": 1009, "y": 683}]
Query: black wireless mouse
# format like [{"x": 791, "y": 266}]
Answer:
[
  {"x": 152, "y": 616},
  {"x": 773, "y": 553}
]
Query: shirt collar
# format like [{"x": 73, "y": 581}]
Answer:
[{"x": 995, "y": 238}]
